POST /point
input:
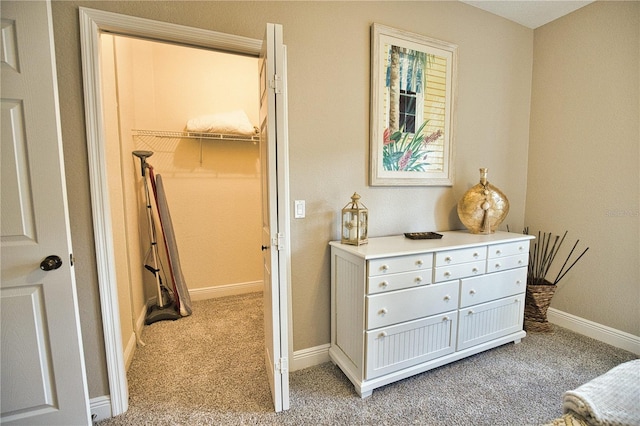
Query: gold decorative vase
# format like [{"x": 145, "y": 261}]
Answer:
[{"x": 483, "y": 207}]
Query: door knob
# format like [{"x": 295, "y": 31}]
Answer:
[
  {"x": 263, "y": 248},
  {"x": 50, "y": 263}
]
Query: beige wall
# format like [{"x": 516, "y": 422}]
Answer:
[
  {"x": 584, "y": 159},
  {"x": 328, "y": 71}
]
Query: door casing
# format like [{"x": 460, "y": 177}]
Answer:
[{"x": 92, "y": 24}]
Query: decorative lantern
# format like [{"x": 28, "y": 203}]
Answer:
[{"x": 355, "y": 222}]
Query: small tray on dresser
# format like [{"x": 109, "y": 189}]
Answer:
[{"x": 423, "y": 235}]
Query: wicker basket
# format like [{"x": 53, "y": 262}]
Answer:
[{"x": 537, "y": 301}]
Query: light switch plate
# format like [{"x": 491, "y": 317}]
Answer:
[{"x": 299, "y": 209}]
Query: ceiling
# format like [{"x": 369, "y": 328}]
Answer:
[{"x": 530, "y": 13}]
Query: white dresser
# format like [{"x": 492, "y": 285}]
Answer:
[{"x": 400, "y": 307}]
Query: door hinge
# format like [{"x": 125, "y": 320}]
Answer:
[
  {"x": 278, "y": 241},
  {"x": 282, "y": 365},
  {"x": 276, "y": 84}
]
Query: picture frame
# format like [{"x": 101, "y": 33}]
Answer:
[{"x": 413, "y": 81}]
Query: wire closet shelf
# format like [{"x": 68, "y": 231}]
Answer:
[
  {"x": 150, "y": 135},
  {"x": 196, "y": 135}
]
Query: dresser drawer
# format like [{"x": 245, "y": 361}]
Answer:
[
  {"x": 403, "y": 345},
  {"x": 481, "y": 323},
  {"x": 492, "y": 286},
  {"x": 446, "y": 273},
  {"x": 382, "y": 283},
  {"x": 509, "y": 262},
  {"x": 404, "y": 305},
  {"x": 394, "y": 265},
  {"x": 453, "y": 257},
  {"x": 508, "y": 249}
]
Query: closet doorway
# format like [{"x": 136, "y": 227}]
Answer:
[
  {"x": 212, "y": 180},
  {"x": 118, "y": 307}
]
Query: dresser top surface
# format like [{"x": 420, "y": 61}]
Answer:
[{"x": 399, "y": 245}]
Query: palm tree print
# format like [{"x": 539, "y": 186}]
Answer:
[{"x": 405, "y": 149}]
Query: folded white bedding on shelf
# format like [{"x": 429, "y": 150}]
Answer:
[
  {"x": 231, "y": 123},
  {"x": 610, "y": 399}
]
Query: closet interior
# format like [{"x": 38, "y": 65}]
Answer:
[{"x": 153, "y": 94}]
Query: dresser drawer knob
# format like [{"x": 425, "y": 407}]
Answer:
[
  {"x": 445, "y": 318},
  {"x": 382, "y": 311},
  {"x": 474, "y": 270},
  {"x": 419, "y": 262},
  {"x": 447, "y": 259},
  {"x": 472, "y": 292},
  {"x": 498, "y": 252},
  {"x": 520, "y": 248},
  {"x": 384, "y": 268},
  {"x": 384, "y": 284},
  {"x": 476, "y": 254},
  {"x": 497, "y": 266},
  {"x": 520, "y": 262},
  {"x": 518, "y": 282},
  {"x": 447, "y": 298},
  {"x": 418, "y": 279},
  {"x": 470, "y": 313},
  {"x": 382, "y": 334},
  {"x": 447, "y": 274}
]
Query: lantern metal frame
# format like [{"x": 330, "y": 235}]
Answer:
[{"x": 355, "y": 222}]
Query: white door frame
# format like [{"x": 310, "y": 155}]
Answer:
[{"x": 92, "y": 24}]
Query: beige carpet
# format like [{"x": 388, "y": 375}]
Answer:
[{"x": 208, "y": 369}]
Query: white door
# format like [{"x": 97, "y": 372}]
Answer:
[
  {"x": 43, "y": 374},
  {"x": 273, "y": 143}
]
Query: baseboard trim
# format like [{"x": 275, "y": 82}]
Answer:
[
  {"x": 100, "y": 408},
  {"x": 309, "y": 357},
  {"x": 129, "y": 351},
  {"x": 225, "y": 290},
  {"x": 603, "y": 333},
  {"x": 140, "y": 320}
]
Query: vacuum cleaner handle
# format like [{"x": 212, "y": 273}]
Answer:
[{"x": 143, "y": 155}]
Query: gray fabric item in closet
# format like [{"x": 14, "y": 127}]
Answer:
[{"x": 172, "y": 248}]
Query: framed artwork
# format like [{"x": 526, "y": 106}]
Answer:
[{"x": 413, "y": 80}]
